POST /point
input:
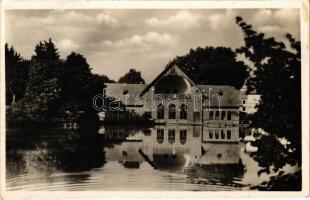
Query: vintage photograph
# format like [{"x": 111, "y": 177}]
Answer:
[{"x": 153, "y": 99}]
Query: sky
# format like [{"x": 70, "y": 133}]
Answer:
[{"x": 113, "y": 41}]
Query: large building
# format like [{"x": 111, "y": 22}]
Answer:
[
  {"x": 173, "y": 98},
  {"x": 192, "y": 124},
  {"x": 172, "y": 146}
]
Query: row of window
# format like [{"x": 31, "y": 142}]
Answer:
[
  {"x": 213, "y": 134},
  {"x": 216, "y": 134},
  {"x": 171, "y": 136},
  {"x": 217, "y": 115},
  {"x": 172, "y": 112},
  {"x": 183, "y": 114}
]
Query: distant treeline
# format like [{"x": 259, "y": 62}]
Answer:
[{"x": 45, "y": 85}]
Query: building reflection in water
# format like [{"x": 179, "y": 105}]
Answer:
[
  {"x": 175, "y": 148},
  {"x": 170, "y": 157}
]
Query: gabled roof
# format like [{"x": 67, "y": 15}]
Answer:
[
  {"x": 120, "y": 90},
  {"x": 229, "y": 96},
  {"x": 172, "y": 69}
]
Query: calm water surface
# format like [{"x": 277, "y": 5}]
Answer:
[{"x": 124, "y": 158}]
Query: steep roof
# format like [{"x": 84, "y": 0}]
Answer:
[
  {"x": 172, "y": 69},
  {"x": 229, "y": 96},
  {"x": 119, "y": 91}
]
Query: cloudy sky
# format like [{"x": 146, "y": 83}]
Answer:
[{"x": 113, "y": 41}]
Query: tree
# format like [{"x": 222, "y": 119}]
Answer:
[
  {"x": 102, "y": 79},
  {"x": 78, "y": 84},
  {"x": 214, "y": 66},
  {"x": 16, "y": 69},
  {"x": 98, "y": 82},
  {"x": 42, "y": 88},
  {"x": 132, "y": 77},
  {"x": 277, "y": 78},
  {"x": 75, "y": 78}
]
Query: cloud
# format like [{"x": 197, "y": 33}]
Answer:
[
  {"x": 71, "y": 18},
  {"x": 276, "y": 22},
  {"x": 47, "y": 20},
  {"x": 215, "y": 20},
  {"x": 66, "y": 46},
  {"x": 280, "y": 17},
  {"x": 106, "y": 18},
  {"x": 222, "y": 20},
  {"x": 286, "y": 15},
  {"x": 262, "y": 16},
  {"x": 142, "y": 41},
  {"x": 146, "y": 39},
  {"x": 182, "y": 19},
  {"x": 269, "y": 29},
  {"x": 75, "y": 17}
]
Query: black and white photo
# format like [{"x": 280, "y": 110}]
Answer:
[{"x": 177, "y": 99}]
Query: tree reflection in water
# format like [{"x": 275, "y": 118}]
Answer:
[
  {"x": 48, "y": 149},
  {"x": 71, "y": 157}
]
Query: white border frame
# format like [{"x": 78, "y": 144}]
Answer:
[{"x": 303, "y": 5}]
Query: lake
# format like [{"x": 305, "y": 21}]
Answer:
[{"x": 173, "y": 158}]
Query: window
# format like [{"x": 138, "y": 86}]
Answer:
[
  {"x": 223, "y": 115},
  {"x": 125, "y": 154},
  {"x": 222, "y": 134},
  {"x": 183, "y": 112},
  {"x": 229, "y": 134},
  {"x": 211, "y": 115},
  {"x": 217, "y": 134},
  {"x": 171, "y": 136},
  {"x": 243, "y": 108},
  {"x": 196, "y": 117},
  {"x": 229, "y": 115},
  {"x": 196, "y": 131},
  {"x": 217, "y": 114},
  {"x": 243, "y": 101},
  {"x": 148, "y": 115},
  {"x": 172, "y": 111},
  {"x": 147, "y": 132},
  {"x": 183, "y": 135},
  {"x": 160, "y": 135},
  {"x": 211, "y": 134},
  {"x": 160, "y": 111}
]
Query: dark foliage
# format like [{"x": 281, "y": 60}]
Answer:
[
  {"x": 213, "y": 66},
  {"x": 16, "y": 72},
  {"x": 271, "y": 153},
  {"x": 287, "y": 182},
  {"x": 75, "y": 80},
  {"x": 53, "y": 87},
  {"x": 132, "y": 77},
  {"x": 42, "y": 87},
  {"x": 277, "y": 78},
  {"x": 79, "y": 85}
]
